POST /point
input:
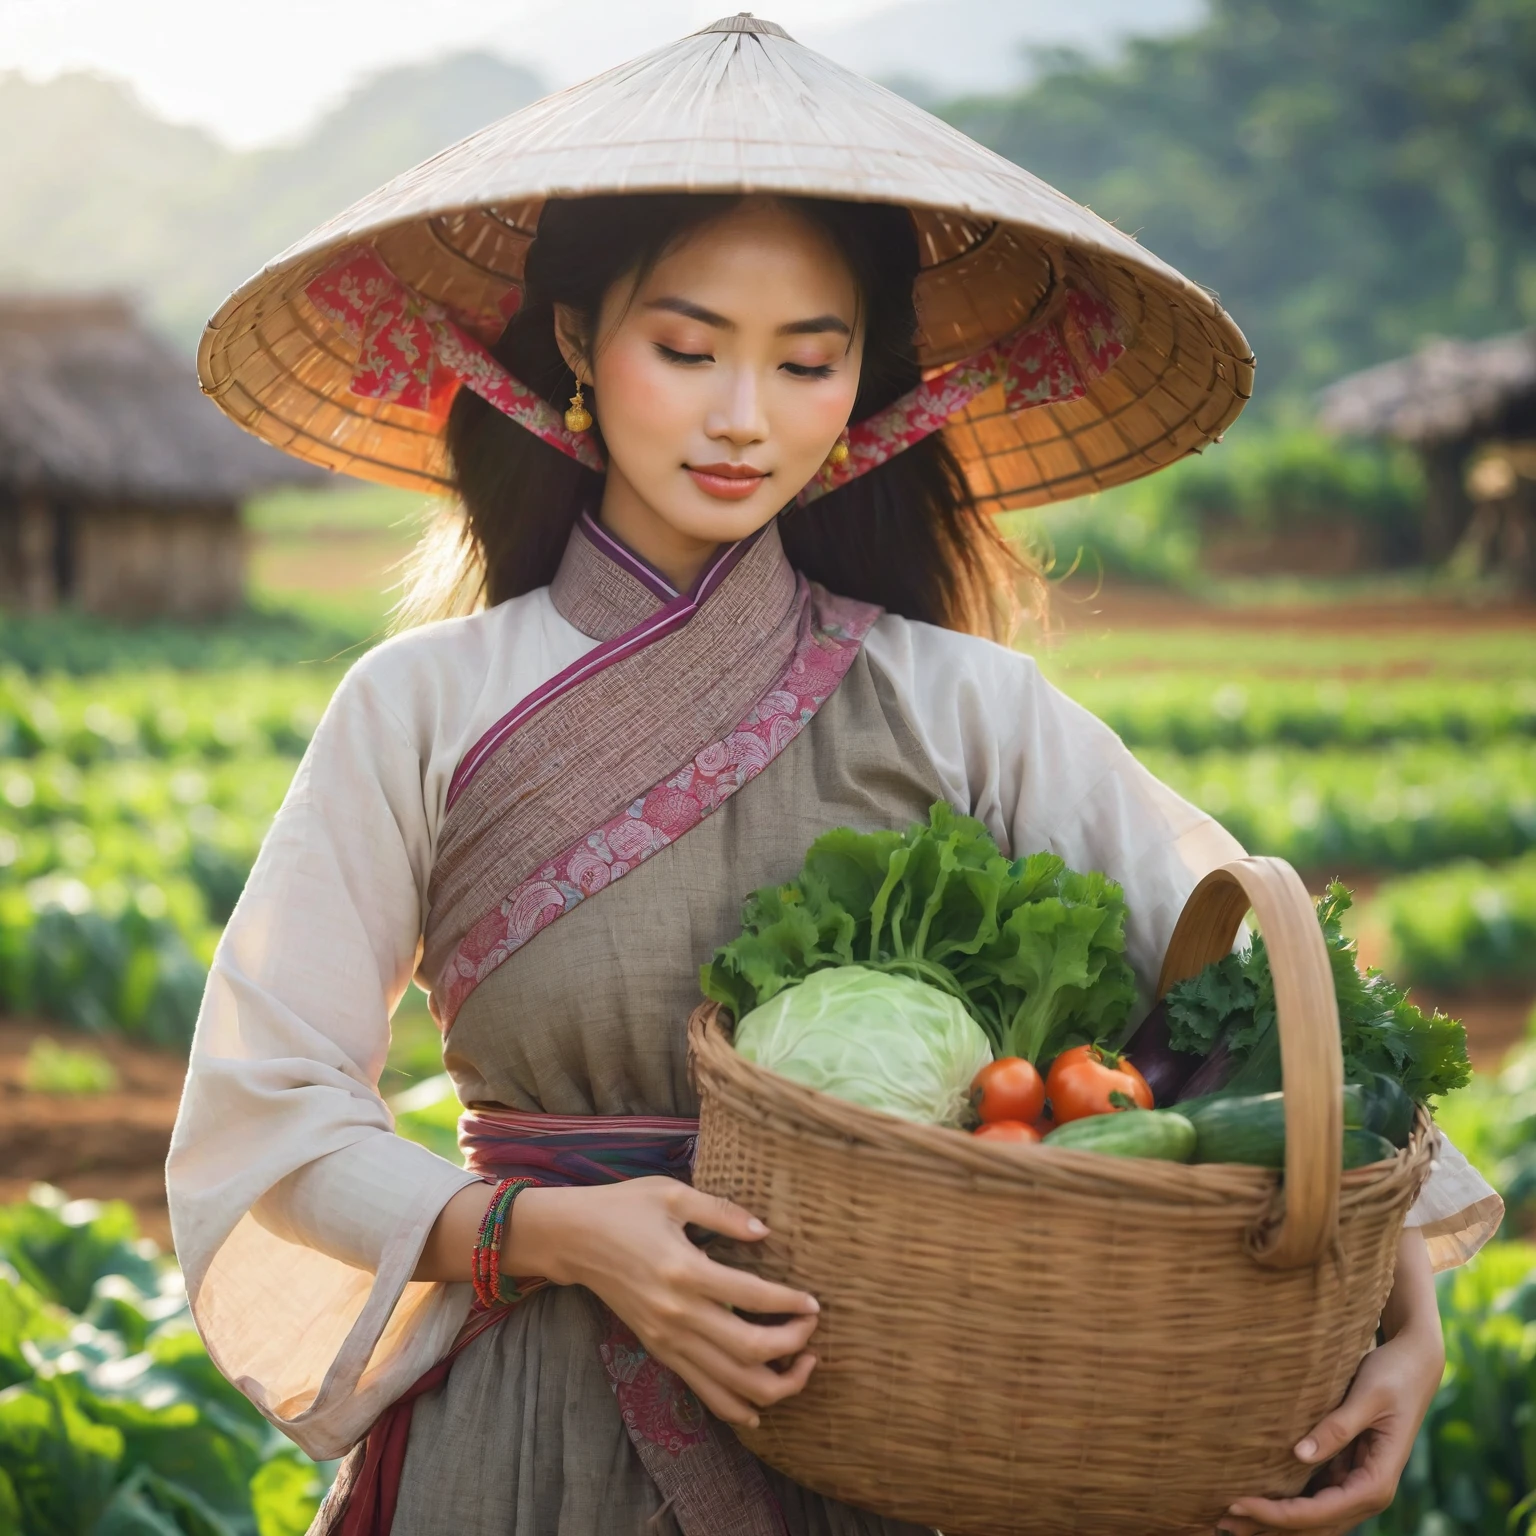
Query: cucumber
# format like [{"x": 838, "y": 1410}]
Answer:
[
  {"x": 1356, "y": 1109},
  {"x": 1251, "y": 1129},
  {"x": 1240, "y": 1128},
  {"x": 1362, "y": 1147},
  {"x": 1388, "y": 1109},
  {"x": 1159, "y": 1133}
]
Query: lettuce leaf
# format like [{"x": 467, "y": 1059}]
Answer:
[
  {"x": 1034, "y": 951},
  {"x": 1232, "y": 1002}
]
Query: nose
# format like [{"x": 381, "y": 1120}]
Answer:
[{"x": 736, "y": 414}]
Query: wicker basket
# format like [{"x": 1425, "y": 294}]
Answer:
[{"x": 1028, "y": 1339}]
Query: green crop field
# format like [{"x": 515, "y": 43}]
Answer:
[
  {"x": 139, "y": 771},
  {"x": 1404, "y": 806}
]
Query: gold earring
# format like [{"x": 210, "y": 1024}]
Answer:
[
  {"x": 577, "y": 417},
  {"x": 838, "y": 456}
]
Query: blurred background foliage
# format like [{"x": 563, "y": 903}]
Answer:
[
  {"x": 1351, "y": 176},
  {"x": 1348, "y": 175}
]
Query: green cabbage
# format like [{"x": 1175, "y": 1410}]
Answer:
[
  {"x": 886, "y": 1042},
  {"x": 1034, "y": 950}
]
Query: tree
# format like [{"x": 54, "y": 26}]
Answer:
[{"x": 1349, "y": 175}]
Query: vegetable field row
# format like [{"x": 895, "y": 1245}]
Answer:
[
  {"x": 1464, "y": 924},
  {"x": 50, "y": 644},
  {"x": 1403, "y": 807},
  {"x": 1186, "y": 713},
  {"x": 1087, "y": 647},
  {"x": 213, "y": 715},
  {"x": 115, "y": 880},
  {"x": 261, "y": 711}
]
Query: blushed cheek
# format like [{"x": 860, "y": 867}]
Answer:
[
  {"x": 639, "y": 401},
  {"x": 819, "y": 422}
]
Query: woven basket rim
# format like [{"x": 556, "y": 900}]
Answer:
[{"x": 758, "y": 1093}]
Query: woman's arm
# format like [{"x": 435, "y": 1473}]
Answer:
[
  {"x": 1363, "y": 1445},
  {"x": 627, "y": 1244},
  {"x": 298, "y": 1214}
]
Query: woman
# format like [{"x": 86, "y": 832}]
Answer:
[{"x": 732, "y": 598}]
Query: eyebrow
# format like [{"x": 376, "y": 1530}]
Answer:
[{"x": 817, "y": 325}]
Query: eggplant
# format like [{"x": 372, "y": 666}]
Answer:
[
  {"x": 1165, "y": 1069},
  {"x": 1213, "y": 1074}
]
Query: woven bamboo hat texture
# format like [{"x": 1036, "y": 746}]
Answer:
[{"x": 741, "y": 107}]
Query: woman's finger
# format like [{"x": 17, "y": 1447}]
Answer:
[
  {"x": 715, "y": 1395},
  {"x": 758, "y": 1384},
  {"x": 1359, "y": 1410},
  {"x": 753, "y": 1343},
  {"x": 751, "y": 1293},
  {"x": 1365, "y": 1491},
  {"x": 715, "y": 1214}
]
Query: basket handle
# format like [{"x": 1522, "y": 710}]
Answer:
[{"x": 1311, "y": 1058}]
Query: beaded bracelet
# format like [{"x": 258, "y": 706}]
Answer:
[{"x": 490, "y": 1289}]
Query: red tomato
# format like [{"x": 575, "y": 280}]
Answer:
[
  {"x": 1008, "y": 1089},
  {"x": 1007, "y": 1130},
  {"x": 1082, "y": 1080}
]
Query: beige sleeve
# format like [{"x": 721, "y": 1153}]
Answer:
[
  {"x": 298, "y": 1214},
  {"x": 1457, "y": 1210}
]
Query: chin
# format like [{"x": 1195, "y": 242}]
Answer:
[{"x": 703, "y": 517}]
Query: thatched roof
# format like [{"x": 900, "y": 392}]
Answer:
[
  {"x": 1447, "y": 390},
  {"x": 92, "y": 403}
]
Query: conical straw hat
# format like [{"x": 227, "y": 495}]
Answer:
[{"x": 741, "y": 107}]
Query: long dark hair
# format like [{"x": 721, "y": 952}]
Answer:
[{"x": 907, "y": 535}]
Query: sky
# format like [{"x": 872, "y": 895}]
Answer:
[{"x": 257, "y": 73}]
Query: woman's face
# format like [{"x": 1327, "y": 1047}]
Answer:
[{"x": 722, "y": 382}]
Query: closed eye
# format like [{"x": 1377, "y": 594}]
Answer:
[
  {"x": 685, "y": 358},
  {"x": 808, "y": 370}
]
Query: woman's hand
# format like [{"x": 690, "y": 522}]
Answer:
[
  {"x": 1362, "y": 1447},
  {"x": 626, "y": 1243}
]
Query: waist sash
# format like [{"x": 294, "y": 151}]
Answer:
[{"x": 708, "y": 1480}]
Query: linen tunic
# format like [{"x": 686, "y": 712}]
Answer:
[{"x": 299, "y": 1215}]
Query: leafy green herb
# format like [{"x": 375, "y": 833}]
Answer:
[
  {"x": 1035, "y": 951},
  {"x": 113, "y": 1420},
  {"x": 1231, "y": 1003}
]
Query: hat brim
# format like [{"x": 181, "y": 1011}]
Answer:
[{"x": 735, "y": 109}]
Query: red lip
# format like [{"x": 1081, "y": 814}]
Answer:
[{"x": 727, "y": 482}]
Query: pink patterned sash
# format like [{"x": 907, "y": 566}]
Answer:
[{"x": 687, "y": 697}]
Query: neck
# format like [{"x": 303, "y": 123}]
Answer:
[{"x": 679, "y": 556}]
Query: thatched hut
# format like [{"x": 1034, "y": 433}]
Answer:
[
  {"x": 120, "y": 485},
  {"x": 1461, "y": 405}
]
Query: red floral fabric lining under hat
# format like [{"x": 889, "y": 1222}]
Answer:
[
  {"x": 1043, "y": 364},
  {"x": 414, "y": 353}
]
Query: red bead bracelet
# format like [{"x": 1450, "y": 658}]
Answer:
[{"x": 490, "y": 1288}]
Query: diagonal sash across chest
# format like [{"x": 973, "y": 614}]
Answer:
[{"x": 686, "y": 697}]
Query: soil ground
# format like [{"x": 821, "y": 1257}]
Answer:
[
  {"x": 103, "y": 1146},
  {"x": 1084, "y": 606}
]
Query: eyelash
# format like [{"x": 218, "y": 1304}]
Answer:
[{"x": 795, "y": 370}]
